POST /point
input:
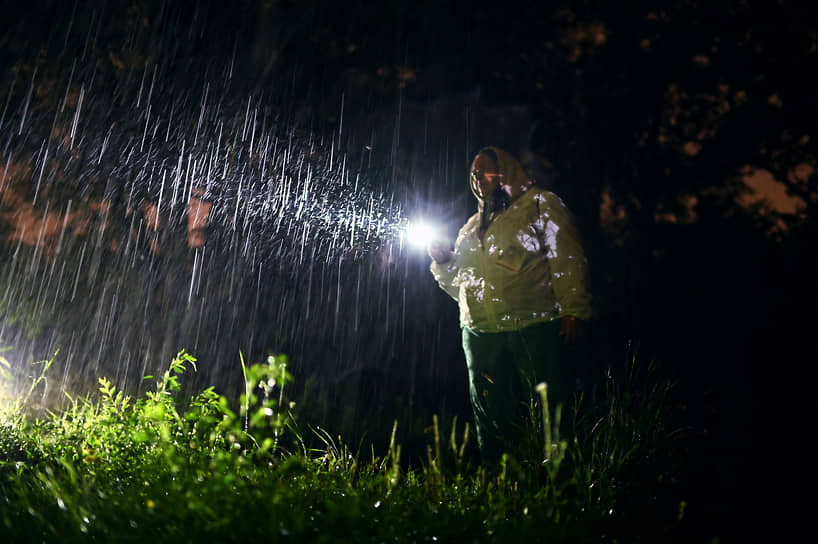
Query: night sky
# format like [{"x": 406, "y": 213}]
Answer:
[{"x": 221, "y": 176}]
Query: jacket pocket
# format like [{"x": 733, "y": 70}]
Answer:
[{"x": 509, "y": 260}]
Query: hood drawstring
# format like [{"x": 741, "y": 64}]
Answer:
[{"x": 489, "y": 210}]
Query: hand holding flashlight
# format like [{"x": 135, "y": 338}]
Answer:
[
  {"x": 423, "y": 234},
  {"x": 440, "y": 252}
]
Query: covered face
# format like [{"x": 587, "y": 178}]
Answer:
[
  {"x": 484, "y": 176},
  {"x": 495, "y": 170}
]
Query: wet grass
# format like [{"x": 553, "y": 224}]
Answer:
[{"x": 163, "y": 468}]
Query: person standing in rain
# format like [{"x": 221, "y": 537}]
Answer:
[{"x": 520, "y": 277}]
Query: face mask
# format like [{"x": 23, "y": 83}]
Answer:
[{"x": 499, "y": 202}]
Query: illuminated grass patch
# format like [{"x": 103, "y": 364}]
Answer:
[{"x": 113, "y": 468}]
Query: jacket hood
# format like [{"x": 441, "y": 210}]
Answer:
[{"x": 515, "y": 180}]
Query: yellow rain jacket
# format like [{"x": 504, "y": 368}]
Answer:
[{"x": 529, "y": 267}]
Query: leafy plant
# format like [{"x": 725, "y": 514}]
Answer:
[{"x": 111, "y": 467}]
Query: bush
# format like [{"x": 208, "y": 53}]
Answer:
[{"x": 113, "y": 468}]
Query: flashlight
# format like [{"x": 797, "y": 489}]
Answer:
[{"x": 420, "y": 233}]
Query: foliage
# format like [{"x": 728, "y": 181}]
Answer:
[{"x": 113, "y": 468}]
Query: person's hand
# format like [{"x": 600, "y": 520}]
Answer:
[
  {"x": 569, "y": 329},
  {"x": 440, "y": 252}
]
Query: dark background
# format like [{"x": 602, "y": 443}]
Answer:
[{"x": 648, "y": 119}]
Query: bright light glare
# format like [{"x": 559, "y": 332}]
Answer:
[{"x": 420, "y": 234}]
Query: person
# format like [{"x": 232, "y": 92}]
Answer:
[{"x": 520, "y": 277}]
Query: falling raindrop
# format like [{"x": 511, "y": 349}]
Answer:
[{"x": 159, "y": 203}]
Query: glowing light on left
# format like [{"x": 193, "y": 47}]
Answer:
[{"x": 420, "y": 234}]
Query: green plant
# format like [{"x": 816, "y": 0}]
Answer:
[{"x": 111, "y": 467}]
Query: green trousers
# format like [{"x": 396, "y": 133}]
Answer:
[{"x": 504, "y": 369}]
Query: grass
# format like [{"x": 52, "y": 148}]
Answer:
[{"x": 162, "y": 468}]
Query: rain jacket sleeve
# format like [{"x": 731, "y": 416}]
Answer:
[
  {"x": 444, "y": 274},
  {"x": 566, "y": 258}
]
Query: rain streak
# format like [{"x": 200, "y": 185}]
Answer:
[{"x": 163, "y": 206}]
